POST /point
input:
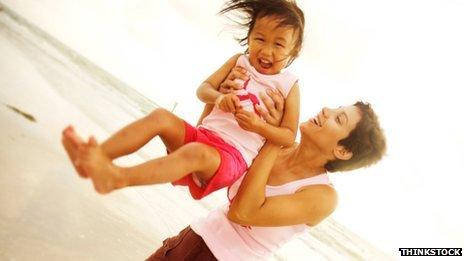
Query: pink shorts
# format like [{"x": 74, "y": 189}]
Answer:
[{"x": 231, "y": 168}]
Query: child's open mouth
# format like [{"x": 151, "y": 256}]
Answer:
[{"x": 264, "y": 63}]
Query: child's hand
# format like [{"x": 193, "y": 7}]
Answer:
[
  {"x": 228, "y": 102},
  {"x": 232, "y": 82},
  {"x": 249, "y": 121}
]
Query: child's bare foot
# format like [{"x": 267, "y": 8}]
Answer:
[
  {"x": 71, "y": 143},
  {"x": 105, "y": 176}
]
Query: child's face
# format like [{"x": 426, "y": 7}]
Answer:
[{"x": 270, "y": 45}]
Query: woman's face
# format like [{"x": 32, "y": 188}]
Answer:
[
  {"x": 270, "y": 45},
  {"x": 329, "y": 127}
]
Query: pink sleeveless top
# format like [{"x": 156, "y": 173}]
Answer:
[
  {"x": 224, "y": 124},
  {"x": 230, "y": 241}
]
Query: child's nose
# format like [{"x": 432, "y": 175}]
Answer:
[{"x": 267, "y": 50}]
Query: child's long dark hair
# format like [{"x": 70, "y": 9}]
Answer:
[{"x": 287, "y": 12}]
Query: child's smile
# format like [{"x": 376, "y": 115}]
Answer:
[
  {"x": 270, "y": 45},
  {"x": 265, "y": 63}
]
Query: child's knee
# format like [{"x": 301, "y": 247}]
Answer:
[
  {"x": 159, "y": 114},
  {"x": 161, "y": 118}
]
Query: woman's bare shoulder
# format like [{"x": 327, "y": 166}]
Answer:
[
  {"x": 321, "y": 198},
  {"x": 325, "y": 191}
]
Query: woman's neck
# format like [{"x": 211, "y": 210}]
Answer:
[{"x": 300, "y": 162}]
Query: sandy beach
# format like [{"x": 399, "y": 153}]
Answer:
[{"x": 48, "y": 212}]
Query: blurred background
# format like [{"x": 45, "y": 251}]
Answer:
[{"x": 405, "y": 57}]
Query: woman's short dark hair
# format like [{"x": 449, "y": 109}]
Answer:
[
  {"x": 286, "y": 11},
  {"x": 366, "y": 141}
]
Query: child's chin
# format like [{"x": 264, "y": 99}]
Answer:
[{"x": 264, "y": 70}]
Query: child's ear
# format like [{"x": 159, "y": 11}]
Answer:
[{"x": 342, "y": 153}]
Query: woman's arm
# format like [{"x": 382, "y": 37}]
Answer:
[
  {"x": 308, "y": 206},
  {"x": 251, "y": 207},
  {"x": 251, "y": 193}
]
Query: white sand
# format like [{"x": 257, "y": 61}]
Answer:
[{"x": 49, "y": 213}]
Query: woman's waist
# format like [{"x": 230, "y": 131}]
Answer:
[{"x": 229, "y": 239}]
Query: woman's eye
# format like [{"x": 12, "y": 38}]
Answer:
[
  {"x": 280, "y": 45},
  {"x": 259, "y": 39}
]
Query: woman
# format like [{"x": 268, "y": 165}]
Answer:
[{"x": 285, "y": 190}]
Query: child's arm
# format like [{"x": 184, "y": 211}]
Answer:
[
  {"x": 206, "y": 111},
  {"x": 283, "y": 135},
  {"x": 226, "y": 87},
  {"x": 208, "y": 92}
]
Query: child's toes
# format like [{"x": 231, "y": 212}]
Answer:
[
  {"x": 66, "y": 130},
  {"x": 83, "y": 151},
  {"x": 92, "y": 141}
]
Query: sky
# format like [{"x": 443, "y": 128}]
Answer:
[{"x": 405, "y": 57}]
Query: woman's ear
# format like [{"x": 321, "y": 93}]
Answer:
[{"x": 342, "y": 153}]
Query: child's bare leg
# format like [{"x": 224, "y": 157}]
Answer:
[
  {"x": 71, "y": 142},
  {"x": 195, "y": 157},
  {"x": 160, "y": 122}
]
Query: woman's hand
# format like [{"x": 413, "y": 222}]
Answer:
[
  {"x": 274, "y": 102},
  {"x": 234, "y": 81}
]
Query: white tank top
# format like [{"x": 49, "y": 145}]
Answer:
[
  {"x": 230, "y": 241},
  {"x": 224, "y": 124}
]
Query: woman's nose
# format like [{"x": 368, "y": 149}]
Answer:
[{"x": 325, "y": 112}]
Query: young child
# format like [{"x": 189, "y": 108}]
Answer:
[{"x": 216, "y": 153}]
